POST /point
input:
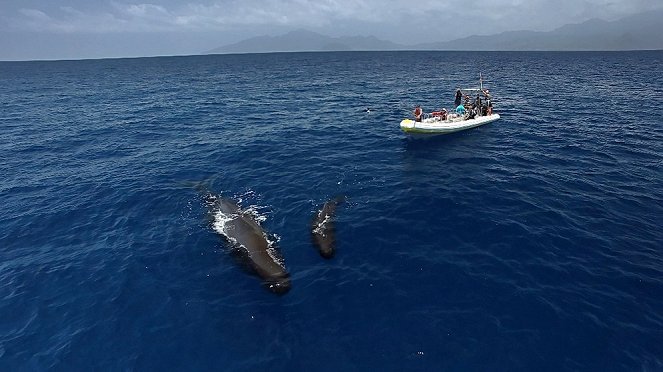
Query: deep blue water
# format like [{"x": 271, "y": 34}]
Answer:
[{"x": 531, "y": 243}]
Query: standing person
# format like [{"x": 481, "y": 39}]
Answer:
[
  {"x": 418, "y": 112},
  {"x": 459, "y": 97},
  {"x": 489, "y": 102}
]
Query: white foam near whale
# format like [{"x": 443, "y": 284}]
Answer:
[{"x": 221, "y": 225}]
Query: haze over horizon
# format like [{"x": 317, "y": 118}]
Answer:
[{"x": 77, "y": 29}]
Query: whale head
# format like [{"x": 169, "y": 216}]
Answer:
[
  {"x": 279, "y": 285},
  {"x": 327, "y": 249}
]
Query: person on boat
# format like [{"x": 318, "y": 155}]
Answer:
[
  {"x": 477, "y": 104},
  {"x": 460, "y": 110},
  {"x": 459, "y": 97},
  {"x": 440, "y": 115},
  {"x": 418, "y": 113},
  {"x": 489, "y": 103},
  {"x": 471, "y": 114}
]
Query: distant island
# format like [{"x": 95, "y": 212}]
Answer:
[
  {"x": 304, "y": 40},
  {"x": 642, "y": 31}
]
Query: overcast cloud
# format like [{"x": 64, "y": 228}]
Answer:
[{"x": 211, "y": 23}]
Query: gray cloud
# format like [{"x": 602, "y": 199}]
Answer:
[
  {"x": 160, "y": 15},
  {"x": 397, "y": 20}
]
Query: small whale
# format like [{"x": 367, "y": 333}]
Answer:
[
  {"x": 250, "y": 241},
  {"x": 323, "y": 231}
]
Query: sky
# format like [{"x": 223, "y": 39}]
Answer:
[{"x": 76, "y": 29}]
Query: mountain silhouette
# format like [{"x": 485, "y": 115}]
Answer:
[
  {"x": 304, "y": 40},
  {"x": 641, "y": 31},
  {"x": 637, "y": 32}
]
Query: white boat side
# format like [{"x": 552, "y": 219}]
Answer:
[{"x": 434, "y": 126}]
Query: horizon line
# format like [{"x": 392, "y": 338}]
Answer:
[{"x": 336, "y": 51}]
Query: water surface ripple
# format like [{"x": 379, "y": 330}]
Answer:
[{"x": 531, "y": 243}]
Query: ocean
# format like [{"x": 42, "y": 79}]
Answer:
[{"x": 530, "y": 243}]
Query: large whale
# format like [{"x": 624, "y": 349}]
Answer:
[
  {"x": 250, "y": 241},
  {"x": 323, "y": 229}
]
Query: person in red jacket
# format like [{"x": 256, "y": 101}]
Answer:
[{"x": 418, "y": 113}]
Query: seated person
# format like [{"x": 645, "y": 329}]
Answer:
[
  {"x": 472, "y": 114},
  {"x": 460, "y": 109},
  {"x": 442, "y": 114}
]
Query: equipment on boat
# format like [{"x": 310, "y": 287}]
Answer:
[{"x": 473, "y": 113}]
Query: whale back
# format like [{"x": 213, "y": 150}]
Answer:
[
  {"x": 323, "y": 228},
  {"x": 250, "y": 242}
]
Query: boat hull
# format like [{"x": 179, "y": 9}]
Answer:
[{"x": 430, "y": 127}]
